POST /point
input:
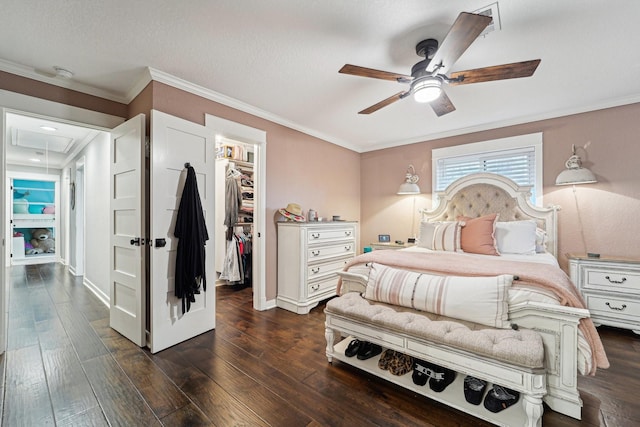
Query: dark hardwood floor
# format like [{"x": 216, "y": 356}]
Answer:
[{"x": 65, "y": 366}]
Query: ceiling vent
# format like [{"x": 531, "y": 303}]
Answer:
[{"x": 492, "y": 11}]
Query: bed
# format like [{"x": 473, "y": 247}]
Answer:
[{"x": 484, "y": 229}]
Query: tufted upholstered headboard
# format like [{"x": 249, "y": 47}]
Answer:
[{"x": 486, "y": 193}]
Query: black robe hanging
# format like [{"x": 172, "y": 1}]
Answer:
[{"x": 192, "y": 235}]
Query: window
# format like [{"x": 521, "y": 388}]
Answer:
[{"x": 518, "y": 158}]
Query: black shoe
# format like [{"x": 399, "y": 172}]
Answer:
[
  {"x": 368, "y": 350},
  {"x": 500, "y": 398},
  {"x": 353, "y": 347},
  {"x": 474, "y": 389},
  {"x": 443, "y": 378},
  {"x": 439, "y": 378},
  {"x": 419, "y": 375}
]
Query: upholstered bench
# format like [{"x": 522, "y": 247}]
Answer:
[
  {"x": 507, "y": 357},
  {"x": 521, "y": 347}
]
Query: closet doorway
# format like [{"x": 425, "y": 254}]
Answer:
[{"x": 241, "y": 160}]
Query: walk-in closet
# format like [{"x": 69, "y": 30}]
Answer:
[{"x": 234, "y": 212}]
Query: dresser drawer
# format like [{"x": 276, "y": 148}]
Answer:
[
  {"x": 611, "y": 280},
  {"x": 620, "y": 308},
  {"x": 324, "y": 285},
  {"x": 327, "y": 235},
  {"x": 319, "y": 270},
  {"x": 324, "y": 252}
]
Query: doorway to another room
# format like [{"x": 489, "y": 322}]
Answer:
[
  {"x": 241, "y": 157},
  {"x": 79, "y": 165}
]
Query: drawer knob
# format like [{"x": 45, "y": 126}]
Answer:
[
  {"x": 624, "y": 279},
  {"x": 315, "y": 287},
  {"x": 315, "y": 253},
  {"x": 315, "y": 270},
  {"x": 315, "y": 235},
  {"x": 347, "y": 233},
  {"x": 347, "y": 248},
  {"x": 616, "y": 308}
]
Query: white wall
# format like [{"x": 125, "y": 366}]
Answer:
[{"x": 96, "y": 180}]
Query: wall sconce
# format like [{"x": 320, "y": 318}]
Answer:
[
  {"x": 574, "y": 172},
  {"x": 410, "y": 186}
]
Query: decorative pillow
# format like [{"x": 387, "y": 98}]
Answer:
[
  {"x": 541, "y": 241},
  {"x": 477, "y": 234},
  {"x": 440, "y": 236},
  {"x": 516, "y": 237},
  {"x": 483, "y": 300}
]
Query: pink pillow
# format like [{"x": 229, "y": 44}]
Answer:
[{"x": 478, "y": 235}]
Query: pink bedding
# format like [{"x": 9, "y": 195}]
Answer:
[{"x": 548, "y": 277}]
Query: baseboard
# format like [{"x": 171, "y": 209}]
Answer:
[{"x": 97, "y": 291}]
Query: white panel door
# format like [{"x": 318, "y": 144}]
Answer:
[
  {"x": 175, "y": 142},
  {"x": 127, "y": 222}
]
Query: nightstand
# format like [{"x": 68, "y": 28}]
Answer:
[{"x": 610, "y": 287}]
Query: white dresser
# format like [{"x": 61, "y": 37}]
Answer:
[
  {"x": 309, "y": 254},
  {"x": 610, "y": 287}
]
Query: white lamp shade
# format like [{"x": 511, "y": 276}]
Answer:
[
  {"x": 409, "y": 188},
  {"x": 574, "y": 172},
  {"x": 576, "y": 176}
]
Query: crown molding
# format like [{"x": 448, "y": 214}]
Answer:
[
  {"x": 31, "y": 73},
  {"x": 610, "y": 103},
  {"x": 151, "y": 74},
  {"x": 212, "y": 95}
]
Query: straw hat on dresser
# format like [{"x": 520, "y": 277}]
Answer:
[{"x": 293, "y": 212}]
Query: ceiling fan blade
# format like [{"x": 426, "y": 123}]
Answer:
[
  {"x": 497, "y": 72},
  {"x": 462, "y": 33},
  {"x": 383, "y": 103},
  {"x": 370, "y": 72},
  {"x": 442, "y": 105}
]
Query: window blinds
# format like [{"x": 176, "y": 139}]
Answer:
[{"x": 518, "y": 164}]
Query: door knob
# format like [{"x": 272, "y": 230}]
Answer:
[
  {"x": 135, "y": 241},
  {"x": 161, "y": 243}
]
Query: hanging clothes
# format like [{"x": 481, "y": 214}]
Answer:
[
  {"x": 237, "y": 262},
  {"x": 192, "y": 235},
  {"x": 233, "y": 199}
]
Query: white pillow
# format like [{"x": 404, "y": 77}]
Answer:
[
  {"x": 440, "y": 236},
  {"x": 516, "y": 237},
  {"x": 541, "y": 241},
  {"x": 482, "y": 300}
]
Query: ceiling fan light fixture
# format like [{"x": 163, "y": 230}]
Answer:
[{"x": 427, "y": 89}]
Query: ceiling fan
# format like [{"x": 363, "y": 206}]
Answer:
[{"x": 430, "y": 75}]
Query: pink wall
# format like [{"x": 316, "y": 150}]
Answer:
[
  {"x": 337, "y": 181},
  {"x": 300, "y": 168},
  {"x": 608, "y": 209}
]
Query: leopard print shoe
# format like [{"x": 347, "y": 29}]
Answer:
[{"x": 401, "y": 364}]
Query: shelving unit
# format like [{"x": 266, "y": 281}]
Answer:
[
  {"x": 246, "y": 186},
  {"x": 33, "y": 205},
  {"x": 452, "y": 396}
]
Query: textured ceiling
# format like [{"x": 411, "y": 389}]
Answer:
[{"x": 280, "y": 58}]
